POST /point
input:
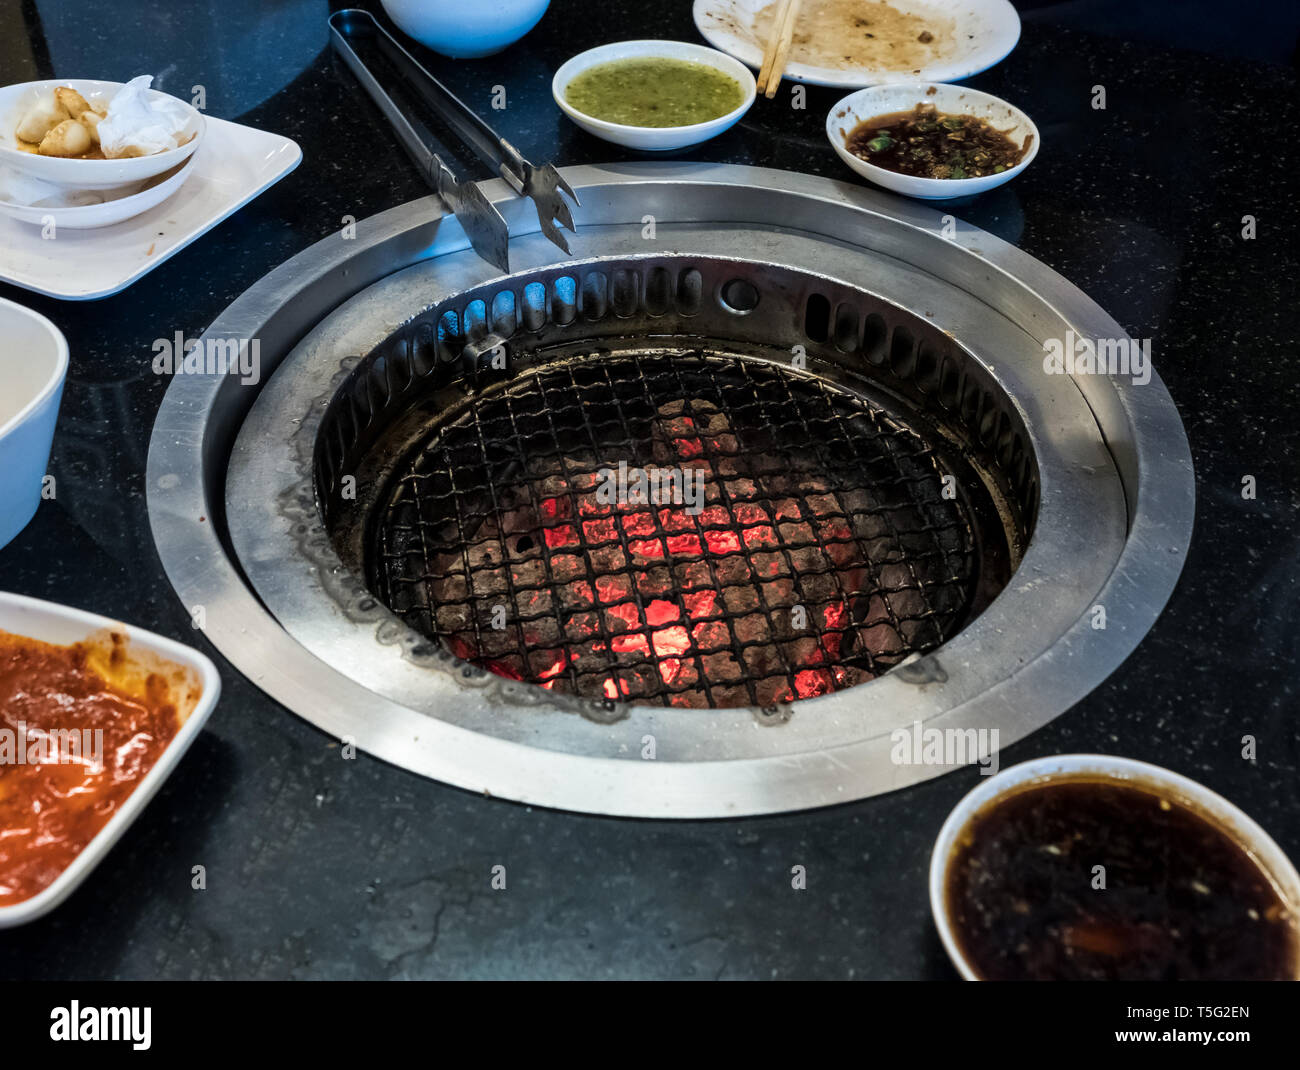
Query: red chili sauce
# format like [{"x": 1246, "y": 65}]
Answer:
[{"x": 60, "y": 783}]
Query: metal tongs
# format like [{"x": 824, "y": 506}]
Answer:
[{"x": 483, "y": 223}]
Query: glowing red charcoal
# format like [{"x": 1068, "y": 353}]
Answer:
[
  {"x": 812, "y": 682},
  {"x": 676, "y": 520},
  {"x": 676, "y": 671},
  {"x": 557, "y": 535},
  {"x": 650, "y": 549},
  {"x": 722, "y": 542},
  {"x": 638, "y": 524},
  {"x": 630, "y": 644},
  {"x": 661, "y": 612},
  {"x": 836, "y": 618},
  {"x": 502, "y": 669},
  {"x": 673, "y": 640},
  {"x": 623, "y": 617},
  {"x": 683, "y": 544},
  {"x": 701, "y": 603},
  {"x": 558, "y": 661},
  {"x": 613, "y": 588}
]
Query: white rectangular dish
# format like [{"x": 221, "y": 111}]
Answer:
[
  {"x": 233, "y": 165},
  {"x": 63, "y": 626}
]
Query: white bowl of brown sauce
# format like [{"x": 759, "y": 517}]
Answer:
[
  {"x": 1091, "y": 867},
  {"x": 930, "y": 140}
]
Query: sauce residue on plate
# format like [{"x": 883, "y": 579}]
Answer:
[
  {"x": 60, "y": 782},
  {"x": 1182, "y": 899},
  {"x": 857, "y": 35},
  {"x": 928, "y": 143},
  {"x": 652, "y": 91}
]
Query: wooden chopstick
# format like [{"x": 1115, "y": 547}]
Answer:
[
  {"x": 778, "y": 47},
  {"x": 783, "y": 49},
  {"x": 773, "y": 39}
]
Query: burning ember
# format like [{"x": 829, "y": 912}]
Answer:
[{"x": 792, "y": 574}]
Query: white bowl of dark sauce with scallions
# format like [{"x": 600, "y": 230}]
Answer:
[
  {"x": 654, "y": 95},
  {"x": 1089, "y": 867},
  {"x": 930, "y": 140}
]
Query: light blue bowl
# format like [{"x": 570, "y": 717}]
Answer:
[
  {"x": 466, "y": 30},
  {"x": 33, "y": 366}
]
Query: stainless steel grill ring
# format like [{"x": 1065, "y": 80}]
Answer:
[{"x": 1088, "y": 477}]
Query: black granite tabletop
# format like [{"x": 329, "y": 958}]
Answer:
[{"x": 318, "y": 868}]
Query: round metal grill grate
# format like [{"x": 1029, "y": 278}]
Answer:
[{"x": 688, "y": 529}]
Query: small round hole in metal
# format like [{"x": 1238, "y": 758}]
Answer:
[{"x": 739, "y": 295}]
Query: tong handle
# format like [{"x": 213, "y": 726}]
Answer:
[
  {"x": 430, "y": 164},
  {"x": 493, "y": 150}
]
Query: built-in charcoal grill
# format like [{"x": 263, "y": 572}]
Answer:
[
  {"x": 688, "y": 529},
  {"x": 424, "y": 531}
]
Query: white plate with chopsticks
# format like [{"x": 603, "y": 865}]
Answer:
[{"x": 847, "y": 43}]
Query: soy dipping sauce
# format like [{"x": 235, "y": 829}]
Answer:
[
  {"x": 1182, "y": 900},
  {"x": 926, "y": 143}
]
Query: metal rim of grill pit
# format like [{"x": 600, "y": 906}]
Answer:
[{"x": 1087, "y": 477}]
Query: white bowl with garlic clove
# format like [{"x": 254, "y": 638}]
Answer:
[{"x": 35, "y": 108}]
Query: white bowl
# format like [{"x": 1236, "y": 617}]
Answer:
[
  {"x": 84, "y": 174},
  {"x": 34, "y": 201},
  {"x": 51, "y": 623},
  {"x": 955, "y": 100},
  {"x": 1267, "y": 854},
  {"x": 466, "y": 31},
  {"x": 653, "y": 138},
  {"x": 33, "y": 366}
]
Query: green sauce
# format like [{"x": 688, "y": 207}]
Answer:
[{"x": 654, "y": 92}]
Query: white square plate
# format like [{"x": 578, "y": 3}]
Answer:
[{"x": 233, "y": 165}]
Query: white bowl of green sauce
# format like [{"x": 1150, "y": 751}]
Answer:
[{"x": 654, "y": 95}]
